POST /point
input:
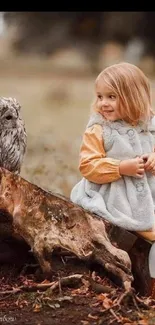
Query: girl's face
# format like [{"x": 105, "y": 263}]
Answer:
[{"x": 107, "y": 102}]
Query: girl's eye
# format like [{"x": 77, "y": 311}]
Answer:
[
  {"x": 112, "y": 96},
  {"x": 100, "y": 97}
]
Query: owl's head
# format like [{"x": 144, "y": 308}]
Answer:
[{"x": 9, "y": 113}]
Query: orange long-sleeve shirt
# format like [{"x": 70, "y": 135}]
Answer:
[
  {"x": 93, "y": 163},
  {"x": 95, "y": 167}
]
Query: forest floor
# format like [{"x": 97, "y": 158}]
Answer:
[{"x": 94, "y": 300}]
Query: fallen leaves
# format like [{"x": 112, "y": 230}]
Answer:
[
  {"x": 114, "y": 306},
  {"x": 106, "y": 301}
]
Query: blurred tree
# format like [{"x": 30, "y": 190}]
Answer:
[{"x": 46, "y": 32}]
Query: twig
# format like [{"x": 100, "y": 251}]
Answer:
[
  {"x": 69, "y": 280},
  {"x": 109, "y": 308},
  {"x": 123, "y": 296},
  {"x": 142, "y": 303},
  {"x": 59, "y": 282},
  {"x": 10, "y": 291},
  {"x": 6, "y": 297},
  {"x": 135, "y": 302},
  {"x": 114, "y": 314},
  {"x": 100, "y": 288},
  {"x": 120, "y": 300},
  {"x": 64, "y": 263}
]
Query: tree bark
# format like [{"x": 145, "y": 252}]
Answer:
[{"x": 46, "y": 221}]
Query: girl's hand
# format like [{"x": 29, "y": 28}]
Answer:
[
  {"x": 132, "y": 167},
  {"x": 149, "y": 162}
]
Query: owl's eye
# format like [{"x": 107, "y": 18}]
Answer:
[{"x": 8, "y": 117}]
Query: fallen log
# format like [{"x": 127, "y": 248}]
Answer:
[{"x": 47, "y": 221}]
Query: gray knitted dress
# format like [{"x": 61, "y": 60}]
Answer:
[{"x": 128, "y": 202}]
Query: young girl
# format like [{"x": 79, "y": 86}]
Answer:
[{"x": 117, "y": 158}]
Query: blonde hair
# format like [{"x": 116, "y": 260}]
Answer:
[{"x": 133, "y": 89}]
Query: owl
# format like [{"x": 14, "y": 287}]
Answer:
[{"x": 13, "y": 137}]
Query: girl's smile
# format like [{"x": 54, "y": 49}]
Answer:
[{"x": 107, "y": 102}]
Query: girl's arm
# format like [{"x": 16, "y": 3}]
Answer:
[{"x": 93, "y": 164}]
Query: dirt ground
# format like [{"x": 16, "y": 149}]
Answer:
[
  {"x": 55, "y": 105},
  {"x": 81, "y": 304}
]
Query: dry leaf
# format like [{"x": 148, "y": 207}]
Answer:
[
  {"x": 102, "y": 296},
  {"x": 107, "y": 303},
  {"x": 37, "y": 308}
]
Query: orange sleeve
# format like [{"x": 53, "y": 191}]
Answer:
[{"x": 93, "y": 163}]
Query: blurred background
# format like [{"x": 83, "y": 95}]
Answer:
[{"x": 49, "y": 62}]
